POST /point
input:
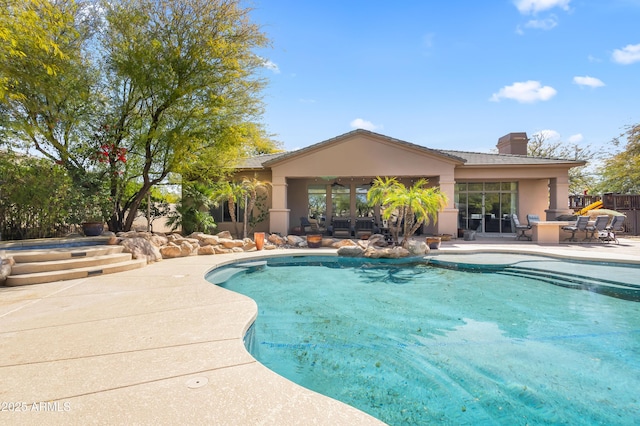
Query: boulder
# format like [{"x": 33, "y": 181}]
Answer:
[
  {"x": 387, "y": 252},
  {"x": 229, "y": 243},
  {"x": 377, "y": 240},
  {"x": 5, "y": 268},
  {"x": 128, "y": 234},
  {"x": 141, "y": 248},
  {"x": 296, "y": 241},
  {"x": 343, "y": 243},
  {"x": 206, "y": 250},
  {"x": 350, "y": 251},
  {"x": 171, "y": 251},
  {"x": 188, "y": 248},
  {"x": 221, "y": 250},
  {"x": 158, "y": 240},
  {"x": 276, "y": 240},
  {"x": 249, "y": 245},
  {"x": 207, "y": 239},
  {"x": 328, "y": 242},
  {"x": 224, "y": 234},
  {"x": 174, "y": 237},
  {"x": 417, "y": 248}
]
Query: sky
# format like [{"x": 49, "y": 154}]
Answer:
[{"x": 451, "y": 74}]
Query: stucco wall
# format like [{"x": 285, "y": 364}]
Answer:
[
  {"x": 533, "y": 197},
  {"x": 364, "y": 156}
]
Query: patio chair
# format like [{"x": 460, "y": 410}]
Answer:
[
  {"x": 520, "y": 229},
  {"x": 597, "y": 227},
  {"x": 580, "y": 225},
  {"x": 341, "y": 227},
  {"x": 532, "y": 218},
  {"x": 615, "y": 226},
  {"x": 363, "y": 227}
]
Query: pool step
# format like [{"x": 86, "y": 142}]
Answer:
[
  {"x": 597, "y": 285},
  {"x": 43, "y": 266},
  {"x": 28, "y": 256}
]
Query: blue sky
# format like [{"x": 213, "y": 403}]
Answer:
[{"x": 454, "y": 74}]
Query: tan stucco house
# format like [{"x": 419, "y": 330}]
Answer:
[{"x": 331, "y": 179}]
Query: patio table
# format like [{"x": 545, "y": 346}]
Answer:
[{"x": 547, "y": 231}]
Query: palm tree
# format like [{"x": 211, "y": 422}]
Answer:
[
  {"x": 232, "y": 193},
  {"x": 411, "y": 206},
  {"x": 251, "y": 188}
]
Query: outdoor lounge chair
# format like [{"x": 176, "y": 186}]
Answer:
[
  {"x": 616, "y": 225},
  {"x": 520, "y": 229},
  {"x": 580, "y": 225},
  {"x": 363, "y": 227},
  {"x": 593, "y": 231},
  {"x": 341, "y": 227},
  {"x": 310, "y": 226}
]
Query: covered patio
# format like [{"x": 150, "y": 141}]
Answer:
[{"x": 331, "y": 178}]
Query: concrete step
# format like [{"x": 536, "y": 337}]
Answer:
[
  {"x": 69, "y": 263},
  {"x": 46, "y": 255},
  {"x": 73, "y": 273}
]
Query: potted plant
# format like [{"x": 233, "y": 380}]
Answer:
[{"x": 89, "y": 212}]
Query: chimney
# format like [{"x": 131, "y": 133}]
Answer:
[{"x": 513, "y": 143}]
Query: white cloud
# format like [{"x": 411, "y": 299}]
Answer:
[
  {"x": 306, "y": 101},
  {"x": 588, "y": 81},
  {"x": 271, "y": 66},
  {"x": 359, "y": 123},
  {"x": 526, "y": 7},
  {"x": 525, "y": 92},
  {"x": 542, "y": 24},
  {"x": 592, "y": 58},
  {"x": 547, "y": 135},
  {"x": 627, "y": 55},
  {"x": 576, "y": 138}
]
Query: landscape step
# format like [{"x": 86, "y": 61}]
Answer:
[
  {"x": 27, "y": 256},
  {"x": 72, "y": 274},
  {"x": 72, "y": 263}
]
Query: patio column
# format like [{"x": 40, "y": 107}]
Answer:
[
  {"x": 279, "y": 213},
  {"x": 448, "y": 218},
  {"x": 558, "y": 197}
]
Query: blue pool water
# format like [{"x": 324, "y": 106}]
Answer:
[
  {"x": 418, "y": 344},
  {"x": 53, "y": 245}
]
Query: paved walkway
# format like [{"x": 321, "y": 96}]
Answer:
[{"x": 160, "y": 345}]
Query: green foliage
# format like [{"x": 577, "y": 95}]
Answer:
[
  {"x": 406, "y": 208},
  {"x": 621, "y": 172},
  {"x": 581, "y": 177},
  {"x": 192, "y": 212},
  {"x": 37, "y": 198},
  {"x": 168, "y": 87}
]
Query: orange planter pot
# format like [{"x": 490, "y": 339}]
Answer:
[
  {"x": 258, "y": 238},
  {"x": 314, "y": 241}
]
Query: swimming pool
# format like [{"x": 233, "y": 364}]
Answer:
[
  {"x": 52, "y": 243},
  {"x": 463, "y": 343}
]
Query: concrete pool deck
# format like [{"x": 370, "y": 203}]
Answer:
[{"x": 160, "y": 345}]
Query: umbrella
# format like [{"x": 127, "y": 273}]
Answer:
[{"x": 601, "y": 212}]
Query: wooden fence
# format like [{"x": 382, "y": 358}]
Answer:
[{"x": 627, "y": 204}]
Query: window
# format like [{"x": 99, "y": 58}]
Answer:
[
  {"x": 363, "y": 209},
  {"x": 221, "y": 213},
  {"x": 317, "y": 202},
  {"x": 486, "y": 206},
  {"x": 341, "y": 200}
]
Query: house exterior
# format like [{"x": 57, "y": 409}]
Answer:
[{"x": 331, "y": 178}]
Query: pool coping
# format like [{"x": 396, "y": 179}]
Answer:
[{"x": 162, "y": 343}]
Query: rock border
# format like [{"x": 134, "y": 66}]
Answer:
[{"x": 157, "y": 246}]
